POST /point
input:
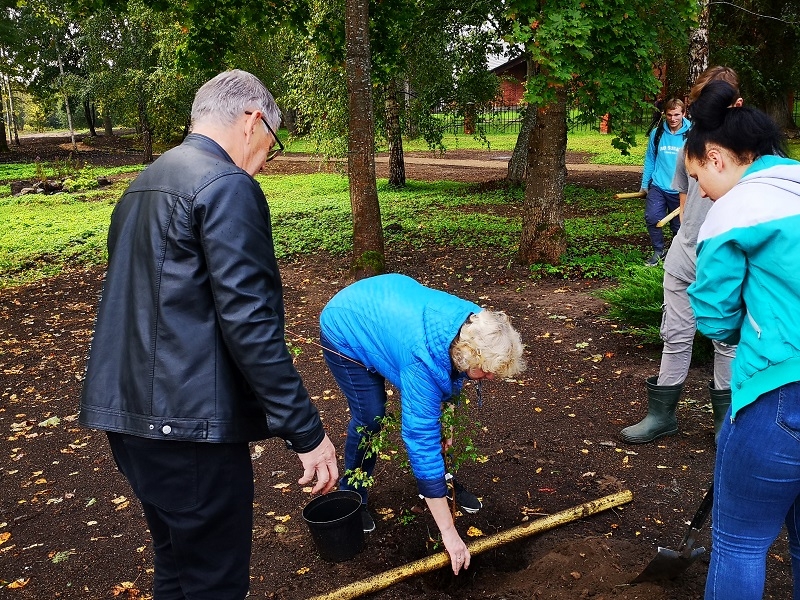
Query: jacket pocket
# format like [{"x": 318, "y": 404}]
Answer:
[{"x": 754, "y": 324}]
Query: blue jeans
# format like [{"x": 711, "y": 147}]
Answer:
[
  {"x": 658, "y": 205},
  {"x": 756, "y": 491},
  {"x": 365, "y": 391}
]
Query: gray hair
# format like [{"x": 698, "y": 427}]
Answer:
[
  {"x": 488, "y": 341},
  {"x": 227, "y": 96}
]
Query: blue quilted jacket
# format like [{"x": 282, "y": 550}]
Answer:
[{"x": 403, "y": 330}]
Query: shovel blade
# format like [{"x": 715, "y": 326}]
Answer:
[{"x": 668, "y": 564}]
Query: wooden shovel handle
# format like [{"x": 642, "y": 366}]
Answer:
[{"x": 669, "y": 217}]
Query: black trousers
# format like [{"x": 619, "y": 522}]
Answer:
[{"x": 198, "y": 502}]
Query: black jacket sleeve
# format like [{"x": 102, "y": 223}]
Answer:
[{"x": 232, "y": 221}]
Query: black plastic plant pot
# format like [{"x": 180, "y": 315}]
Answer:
[{"x": 335, "y": 524}]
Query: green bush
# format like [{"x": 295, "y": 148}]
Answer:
[{"x": 636, "y": 302}]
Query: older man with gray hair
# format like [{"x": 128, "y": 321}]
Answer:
[{"x": 188, "y": 363}]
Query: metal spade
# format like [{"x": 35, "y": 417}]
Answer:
[{"x": 668, "y": 563}]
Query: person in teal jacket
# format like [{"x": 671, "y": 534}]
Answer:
[
  {"x": 425, "y": 342},
  {"x": 659, "y": 167},
  {"x": 747, "y": 292}
]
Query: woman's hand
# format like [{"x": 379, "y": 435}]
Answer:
[
  {"x": 457, "y": 549},
  {"x": 455, "y": 546}
]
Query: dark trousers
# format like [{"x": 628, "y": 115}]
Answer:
[
  {"x": 658, "y": 205},
  {"x": 198, "y": 502}
]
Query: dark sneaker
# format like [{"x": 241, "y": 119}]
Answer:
[
  {"x": 367, "y": 522},
  {"x": 465, "y": 499},
  {"x": 655, "y": 259}
]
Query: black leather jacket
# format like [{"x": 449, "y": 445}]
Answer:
[{"x": 189, "y": 341}]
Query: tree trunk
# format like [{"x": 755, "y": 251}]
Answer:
[
  {"x": 14, "y": 125},
  {"x": 394, "y": 133},
  {"x": 107, "y": 125},
  {"x": 518, "y": 165},
  {"x": 66, "y": 104},
  {"x": 368, "y": 249},
  {"x": 698, "y": 45},
  {"x": 89, "y": 114},
  {"x": 290, "y": 119},
  {"x": 778, "y": 108},
  {"x": 3, "y": 143},
  {"x": 544, "y": 238},
  {"x": 470, "y": 118}
]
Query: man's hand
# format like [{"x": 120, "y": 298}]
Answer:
[{"x": 320, "y": 462}]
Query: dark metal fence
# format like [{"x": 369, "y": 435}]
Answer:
[{"x": 501, "y": 118}]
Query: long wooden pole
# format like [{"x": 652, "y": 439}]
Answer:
[{"x": 437, "y": 561}]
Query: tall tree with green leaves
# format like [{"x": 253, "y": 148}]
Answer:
[
  {"x": 760, "y": 39},
  {"x": 598, "y": 54}
]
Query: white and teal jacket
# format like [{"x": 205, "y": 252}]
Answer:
[{"x": 748, "y": 277}]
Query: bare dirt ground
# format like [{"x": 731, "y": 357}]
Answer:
[{"x": 71, "y": 528}]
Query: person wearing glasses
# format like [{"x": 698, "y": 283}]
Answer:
[{"x": 188, "y": 363}]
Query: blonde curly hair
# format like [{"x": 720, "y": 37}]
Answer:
[{"x": 488, "y": 341}]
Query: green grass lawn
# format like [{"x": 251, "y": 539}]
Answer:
[
  {"x": 41, "y": 235},
  {"x": 595, "y": 143}
]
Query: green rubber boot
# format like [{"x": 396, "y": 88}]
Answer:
[
  {"x": 662, "y": 402},
  {"x": 720, "y": 402}
]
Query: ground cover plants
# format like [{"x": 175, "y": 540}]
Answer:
[
  {"x": 70, "y": 526},
  {"x": 312, "y": 213}
]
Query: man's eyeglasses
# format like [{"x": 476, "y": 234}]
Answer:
[{"x": 275, "y": 151}]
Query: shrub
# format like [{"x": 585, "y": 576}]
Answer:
[{"x": 637, "y": 302}]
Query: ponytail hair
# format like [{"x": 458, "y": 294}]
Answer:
[{"x": 746, "y": 132}]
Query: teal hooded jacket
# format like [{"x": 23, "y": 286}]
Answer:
[{"x": 748, "y": 281}]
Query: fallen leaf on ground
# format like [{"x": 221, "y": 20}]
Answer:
[{"x": 127, "y": 588}]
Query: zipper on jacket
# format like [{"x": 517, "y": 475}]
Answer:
[{"x": 754, "y": 324}]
